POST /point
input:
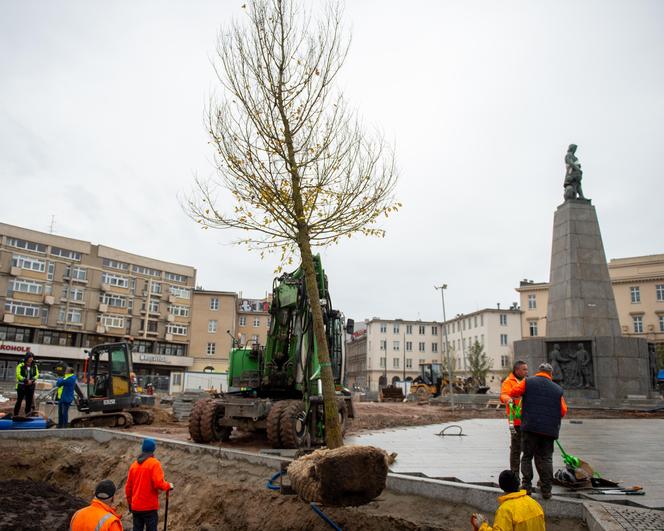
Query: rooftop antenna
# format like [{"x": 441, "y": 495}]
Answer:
[{"x": 52, "y": 227}]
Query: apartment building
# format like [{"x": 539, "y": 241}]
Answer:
[
  {"x": 213, "y": 327},
  {"x": 60, "y": 295},
  {"x": 638, "y": 287},
  {"x": 493, "y": 328},
  {"x": 253, "y": 320},
  {"x": 390, "y": 351}
]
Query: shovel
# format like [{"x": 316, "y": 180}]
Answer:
[{"x": 166, "y": 511}]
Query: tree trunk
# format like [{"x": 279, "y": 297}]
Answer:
[{"x": 333, "y": 437}]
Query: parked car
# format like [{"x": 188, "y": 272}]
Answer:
[{"x": 46, "y": 380}]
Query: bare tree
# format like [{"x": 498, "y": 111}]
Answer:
[{"x": 301, "y": 170}]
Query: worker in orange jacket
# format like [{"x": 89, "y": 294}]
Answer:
[
  {"x": 145, "y": 480},
  {"x": 543, "y": 408},
  {"x": 99, "y": 515},
  {"x": 513, "y": 410}
]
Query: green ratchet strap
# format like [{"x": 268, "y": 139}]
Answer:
[{"x": 570, "y": 460}]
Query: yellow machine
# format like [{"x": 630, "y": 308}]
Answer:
[{"x": 431, "y": 382}]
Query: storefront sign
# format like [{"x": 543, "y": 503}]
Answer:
[
  {"x": 14, "y": 349},
  {"x": 153, "y": 357}
]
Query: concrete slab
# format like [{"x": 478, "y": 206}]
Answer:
[{"x": 625, "y": 450}]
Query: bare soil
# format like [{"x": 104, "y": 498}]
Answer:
[
  {"x": 35, "y": 505},
  {"x": 211, "y": 493}
]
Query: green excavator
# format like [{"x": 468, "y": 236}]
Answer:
[{"x": 277, "y": 387}]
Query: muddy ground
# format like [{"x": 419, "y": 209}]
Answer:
[{"x": 210, "y": 493}]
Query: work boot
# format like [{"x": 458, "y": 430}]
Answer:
[
  {"x": 528, "y": 488},
  {"x": 546, "y": 495}
]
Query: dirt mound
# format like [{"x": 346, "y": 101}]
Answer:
[
  {"x": 35, "y": 505},
  {"x": 163, "y": 415}
]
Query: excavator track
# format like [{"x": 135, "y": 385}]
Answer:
[
  {"x": 120, "y": 419},
  {"x": 142, "y": 416}
]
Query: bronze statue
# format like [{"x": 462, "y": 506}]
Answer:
[
  {"x": 585, "y": 367},
  {"x": 573, "y": 175}
]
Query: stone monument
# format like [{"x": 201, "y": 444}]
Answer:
[{"x": 583, "y": 343}]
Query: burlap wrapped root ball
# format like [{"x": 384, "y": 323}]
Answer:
[{"x": 346, "y": 476}]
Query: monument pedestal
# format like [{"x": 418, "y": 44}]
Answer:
[{"x": 590, "y": 358}]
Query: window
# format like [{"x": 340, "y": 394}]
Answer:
[
  {"x": 212, "y": 326},
  {"x": 254, "y": 339},
  {"x": 176, "y": 278},
  {"x": 383, "y": 363},
  {"x": 532, "y": 325},
  {"x": 211, "y": 347},
  {"x": 503, "y": 319},
  {"x": 422, "y": 330},
  {"x": 22, "y": 308},
  {"x": 422, "y": 346},
  {"x": 482, "y": 319},
  {"x": 422, "y": 361},
  {"x": 115, "y": 280},
  {"x": 169, "y": 349},
  {"x": 532, "y": 301},
  {"x": 243, "y": 320},
  {"x": 395, "y": 345},
  {"x": 155, "y": 287},
  {"x": 434, "y": 347},
  {"x": 182, "y": 293},
  {"x": 409, "y": 346},
  {"x": 395, "y": 363},
  {"x": 153, "y": 326},
  {"x": 176, "y": 330},
  {"x": 453, "y": 327},
  {"x": 175, "y": 309},
  {"x": 383, "y": 328},
  {"x": 76, "y": 273},
  {"x": 383, "y": 344},
  {"x": 638, "y": 324},
  {"x": 504, "y": 361},
  {"x": 28, "y": 246},
  {"x": 27, "y": 262},
  {"x": 66, "y": 253},
  {"x": 409, "y": 363},
  {"x": 475, "y": 319},
  {"x": 25, "y": 286},
  {"x": 659, "y": 291},
  {"x": 503, "y": 339},
  {"x": 434, "y": 330},
  {"x": 635, "y": 294},
  {"x": 214, "y": 303},
  {"x": 409, "y": 328},
  {"x": 116, "y": 301},
  {"x": 395, "y": 328},
  {"x": 146, "y": 271},
  {"x": 661, "y": 323},
  {"x": 470, "y": 323},
  {"x": 153, "y": 306},
  {"x": 257, "y": 322},
  {"x": 482, "y": 339},
  {"x": 74, "y": 315},
  {"x": 115, "y": 264},
  {"x": 112, "y": 321}
]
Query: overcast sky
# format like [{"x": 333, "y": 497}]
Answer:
[{"x": 102, "y": 125}]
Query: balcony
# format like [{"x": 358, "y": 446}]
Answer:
[
  {"x": 169, "y": 337},
  {"x": 15, "y": 271},
  {"x": 8, "y": 318},
  {"x": 170, "y": 318},
  {"x": 49, "y": 299},
  {"x": 106, "y": 287},
  {"x": 101, "y": 329},
  {"x": 103, "y": 308}
]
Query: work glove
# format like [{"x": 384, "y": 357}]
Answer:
[{"x": 477, "y": 519}]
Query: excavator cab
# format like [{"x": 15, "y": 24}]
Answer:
[
  {"x": 111, "y": 385},
  {"x": 430, "y": 382}
]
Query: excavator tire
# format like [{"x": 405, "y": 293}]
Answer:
[
  {"x": 210, "y": 431},
  {"x": 293, "y": 429},
  {"x": 422, "y": 393},
  {"x": 273, "y": 423},
  {"x": 195, "y": 420}
]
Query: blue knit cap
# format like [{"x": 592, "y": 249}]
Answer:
[{"x": 149, "y": 446}]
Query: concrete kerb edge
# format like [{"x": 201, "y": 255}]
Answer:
[
  {"x": 481, "y": 497},
  {"x": 484, "y": 498}
]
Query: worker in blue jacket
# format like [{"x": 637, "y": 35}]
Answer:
[{"x": 66, "y": 387}]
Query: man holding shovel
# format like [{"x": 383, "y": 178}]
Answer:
[
  {"x": 145, "y": 480},
  {"x": 543, "y": 407},
  {"x": 513, "y": 410}
]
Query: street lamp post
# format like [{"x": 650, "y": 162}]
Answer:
[
  {"x": 463, "y": 343},
  {"x": 447, "y": 347}
]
